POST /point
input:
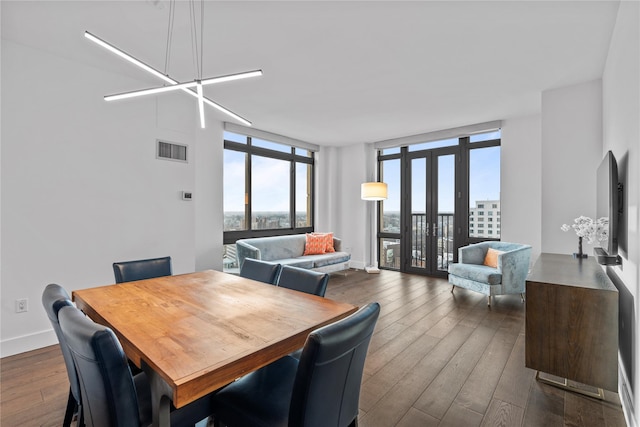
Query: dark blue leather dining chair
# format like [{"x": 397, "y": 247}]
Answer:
[
  {"x": 322, "y": 389},
  {"x": 54, "y": 298},
  {"x": 111, "y": 396},
  {"x": 129, "y": 271},
  {"x": 303, "y": 280},
  {"x": 262, "y": 271}
]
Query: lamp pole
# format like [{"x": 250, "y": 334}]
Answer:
[{"x": 372, "y": 191}]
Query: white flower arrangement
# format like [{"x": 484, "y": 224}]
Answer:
[{"x": 589, "y": 229}]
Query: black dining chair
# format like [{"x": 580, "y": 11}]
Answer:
[
  {"x": 54, "y": 297},
  {"x": 322, "y": 389},
  {"x": 129, "y": 271},
  {"x": 303, "y": 280},
  {"x": 262, "y": 271},
  {"x": 111, "y": 396}
]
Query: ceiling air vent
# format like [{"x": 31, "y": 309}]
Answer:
[{"x": 172, "y": 151}]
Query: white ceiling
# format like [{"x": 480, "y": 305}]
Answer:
[{"x": 338, "y": 73}]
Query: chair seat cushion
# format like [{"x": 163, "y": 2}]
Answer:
[
  {"x": 329, "y": 259},
  {"x": 316, "y": 261},
  {"x": 302, "y": 262},
  {"x": 477, "y": 273},
  {"x": 261, "y": 398}
]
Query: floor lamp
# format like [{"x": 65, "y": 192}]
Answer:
[{"x": 373, "y": 191}]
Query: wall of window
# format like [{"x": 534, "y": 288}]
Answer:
[
  {"x": 268, "y": 188},
  {"x": 443, "y": 194}
]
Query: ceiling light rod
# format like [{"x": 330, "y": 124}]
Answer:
[
  {"x": 124, "y": 55},
  {"x": 232, "y": 77},
  {"x": 152, "y": 91},
  {"x": 200, "y": 104},
  {"x": 166, "y": 78},
  {"x": 194, "y": 83}
]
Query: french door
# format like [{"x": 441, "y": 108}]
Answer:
[{"x": 429, "y": 211}]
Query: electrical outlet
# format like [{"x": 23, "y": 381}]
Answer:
[{"x": 22, "y": 305}]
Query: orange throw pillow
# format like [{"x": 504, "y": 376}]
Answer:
[
  {"x": 315, "y": 245},
  {"x": 328, "y": 239},
  {"x": 491, "y": 259}
]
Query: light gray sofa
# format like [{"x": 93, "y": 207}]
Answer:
[
  {"x": 289, "y": 250},
  {"x": 508, "y": 277}
]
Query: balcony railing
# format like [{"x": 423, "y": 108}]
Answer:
[
  {"x": 420, "y": 233},
  {"x": 441, "y": 230}
]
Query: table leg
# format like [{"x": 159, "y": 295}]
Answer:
[{"x": 160, "y": 398}]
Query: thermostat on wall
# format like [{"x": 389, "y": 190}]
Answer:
[{"x": 187, "y": 195}]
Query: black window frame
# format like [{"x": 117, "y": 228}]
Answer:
[
  {"x": 464, "y": 216},
  {"x": 230, "y": 237}
]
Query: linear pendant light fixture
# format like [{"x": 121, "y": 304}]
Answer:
[
  {"x": 187, "y": 87},
  {"x": 176, "y": 86}
]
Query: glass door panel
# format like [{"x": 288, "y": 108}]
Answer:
[
  {"x": 418, "y": 225},
  {"x": 431, "y": 206},
  {"x": 445, "y": 211}
]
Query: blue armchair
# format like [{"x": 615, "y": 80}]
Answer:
[{"x": 507, "y": 277}]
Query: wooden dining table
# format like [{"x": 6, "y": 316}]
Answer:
[{"x": 194, "y": 333}]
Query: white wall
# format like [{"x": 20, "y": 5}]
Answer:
[
  {"x": 339, "y": 208},
  {"x": 81, "y": 187},
  {"x": 571, "y": 154},
  {"x": 621, "y": 100},
  {"x": 520, "y": 183},
  {"x": 208, "y": 196},
  {"x": 327, "y": 185}
]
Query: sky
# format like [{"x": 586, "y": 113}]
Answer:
[{"x": 269, "y": 183}]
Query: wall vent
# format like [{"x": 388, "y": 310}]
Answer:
[{"x": 171, "y": 151}]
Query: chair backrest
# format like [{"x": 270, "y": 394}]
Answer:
[
  {"x": 108, "y": 392},
  {"x": 129, "y": 271},
  {"x": 326, "y": 390},
  {"x": 262, "y": 271},
  {"x": 300, "y": 279},
  {"x": 54, "y": 298}
]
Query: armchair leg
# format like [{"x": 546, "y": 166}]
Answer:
[
  {"x": 452, "y": 288},
  {"x": 522, "y": 296},
  {"x": 489, "y": 300}
]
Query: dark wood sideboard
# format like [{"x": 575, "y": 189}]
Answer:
[{"x": 572, "y": 321}]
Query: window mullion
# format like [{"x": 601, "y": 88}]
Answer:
[
  {"x": 292, "y": 193},
  {"x": 247, "y": 192}
]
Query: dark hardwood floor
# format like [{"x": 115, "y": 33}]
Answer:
[{"x": 436, "y": 358}]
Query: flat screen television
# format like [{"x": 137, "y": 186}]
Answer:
[{"x": 608, "y": 197}]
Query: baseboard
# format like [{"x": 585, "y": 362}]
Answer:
[
  {"x": 626, "y": 397},
  {"x": 26, "y": 343}
]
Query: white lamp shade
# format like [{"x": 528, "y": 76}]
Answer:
[{"x": 373, "y": 191}]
